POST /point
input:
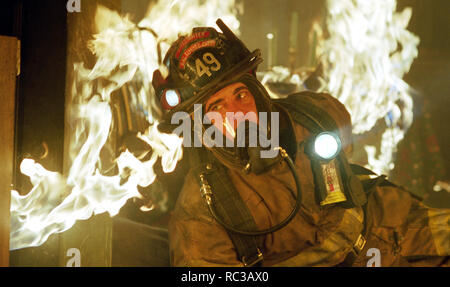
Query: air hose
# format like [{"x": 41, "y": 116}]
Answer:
[{"x": 208, "y": 194}]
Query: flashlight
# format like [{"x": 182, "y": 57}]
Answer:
[
  {"x": 170, "y": 99},
  {"x": 323, "y": 150},
  {"x": 327, "y": 146}
]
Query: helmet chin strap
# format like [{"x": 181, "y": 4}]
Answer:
[{"x": 208, "y": 194}]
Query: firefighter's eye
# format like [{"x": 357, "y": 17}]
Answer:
[
  {"x": 216, "y": 108},
  {"x": 242, "y": 95}
]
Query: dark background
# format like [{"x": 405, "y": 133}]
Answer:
[{"x": 41, "y": 28}]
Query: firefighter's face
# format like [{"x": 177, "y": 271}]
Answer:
[{"x": 232, "y": 99}]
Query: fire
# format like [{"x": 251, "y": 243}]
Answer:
[
  {"x": 280, "y": 74},
  {"x": 124, "y": 51},
  {"x": 365, "y": 57}
]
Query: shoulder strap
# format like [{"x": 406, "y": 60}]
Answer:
[
  {"x": 229, "y": 206},
  {"x": 306, "y": 110}
]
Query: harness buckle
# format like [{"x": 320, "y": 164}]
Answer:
[
  {"x": 258, "y": 259},
  {"x": 359, "y": 244},
  {"x": 205, "y": 189}
]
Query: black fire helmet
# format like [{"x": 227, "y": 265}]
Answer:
[{"x": 200, "y": 64}]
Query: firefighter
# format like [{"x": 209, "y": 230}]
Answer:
[{"x": 303, "y": 203}]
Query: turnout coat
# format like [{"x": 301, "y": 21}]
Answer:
[{"x": 399, "y": 230}]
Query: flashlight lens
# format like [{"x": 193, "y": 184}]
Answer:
[
  {"x": 326, "y": 146},
  {"x": 172, "y": 98}
]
